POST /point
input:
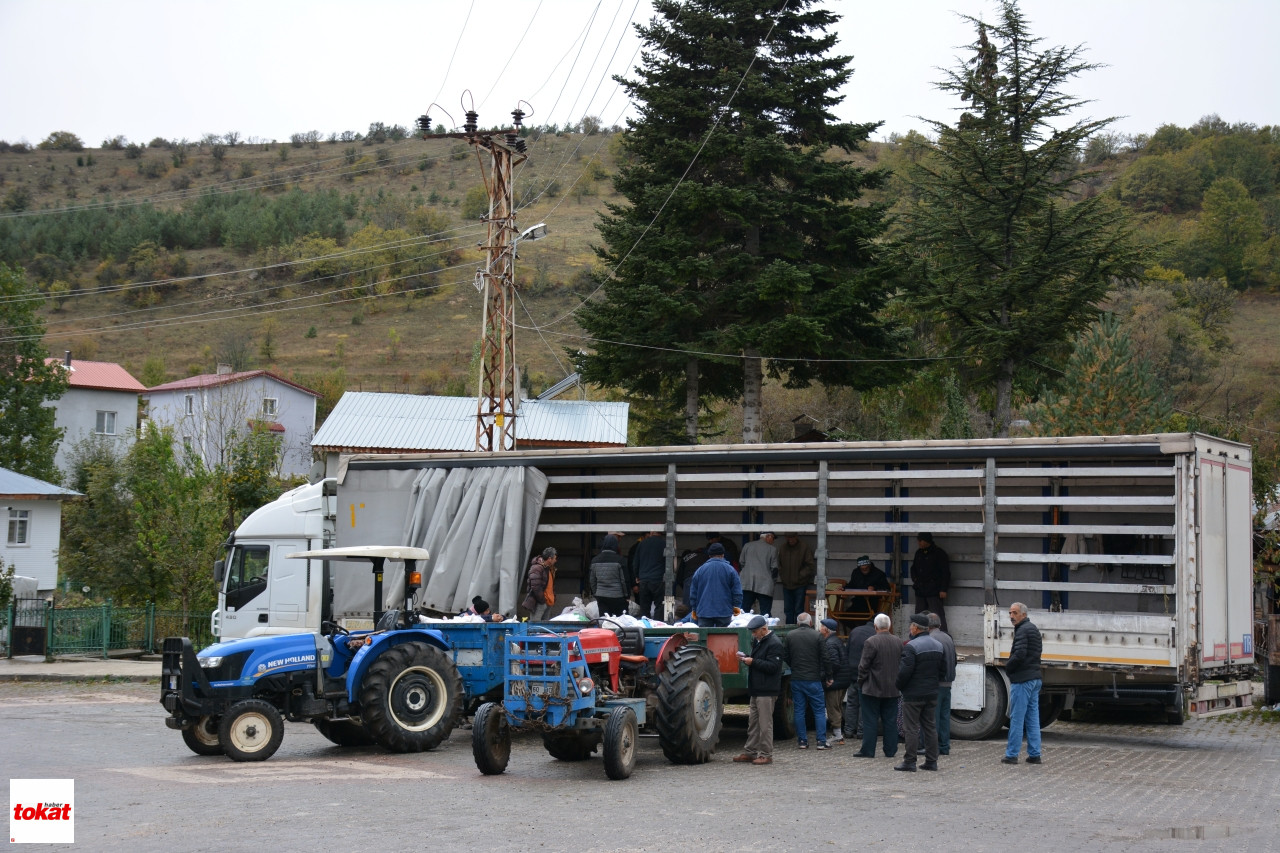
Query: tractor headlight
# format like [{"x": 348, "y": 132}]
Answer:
[
  {"x": 212, "y": 662},
  {"x": 586, "y": 685}
]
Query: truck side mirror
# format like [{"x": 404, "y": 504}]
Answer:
[{"x": 219, "y": 570}]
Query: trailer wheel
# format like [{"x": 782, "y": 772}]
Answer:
[
  {"x": 251, "y": 731},
  {"x": 202, "y": 738},
  {"x": 410, "y": 697},
  {"x": 344, "y": 732},
  {"x": 784, "y": 713},
  {"x": 690, "y": 702},
  {"x": 571, "y": 746},
  {"x": 620, "y": 735},
  {"x": 976, "y": 725},
  {"x": 1051, "y": 707},
  {"x": 491, "y": 739}
]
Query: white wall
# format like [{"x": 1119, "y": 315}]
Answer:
[
  {"x": 39, "y": 557},
  {"x": 77, "y": 414}
]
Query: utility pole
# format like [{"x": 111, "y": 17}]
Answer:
[{"x": 496, "y": 412}]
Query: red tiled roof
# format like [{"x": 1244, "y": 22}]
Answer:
[
  {"x": 100, "y": 375},
  {"x": 271, "y": 426},
  {"x": 210, "y": 380}
]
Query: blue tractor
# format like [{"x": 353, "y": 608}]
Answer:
[{"x": 396, "y": 686}]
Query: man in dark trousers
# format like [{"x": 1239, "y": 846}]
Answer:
[
  {"x": 878, "y": 681},
  {"x": 1023, "y": 669},
  {"x": 853, "y": 698},
  {"x": 649, "y": 565},
  {"x": 833, "y": 649},
  {"x": 715, "y": 593},
  {"x": 764, "y": 683},
  {"x": 931, "y": 576},
  {"x": 609, "y": 579},
  {"x": 944, "y": 687},
  {"x": 797, "y": 569},
  {"x": 802, "y": 650},
  {"x": 919, "y": 672}
]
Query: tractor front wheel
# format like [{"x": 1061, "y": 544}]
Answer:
[
  {"x": 621, "y": 732},
  {"x": 491, "y": 739},
  {"x": 410, "y": 697},
  {"x": 251, "y": 731},
  {"x": 202, "y": 738}
]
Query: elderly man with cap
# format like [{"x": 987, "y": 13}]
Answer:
[
  {"x": 609, "y": 580},
  {"x": 796, "y": 569},
  {"x": 877, "y": 679},
  {"x": 833, "y": 649},
  {"x": 759, "y": 574},
  {"x": 764, "y": 683},
  {"x": 866, "y": 577},
  {"x": 802, "y": 650},
  {"x": 922, "y": 668},
  {"x": 931, "y": 577},
  {"x": 715, "y": 593}
]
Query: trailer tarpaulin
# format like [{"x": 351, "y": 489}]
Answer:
[{"x": 478, "y": 525}]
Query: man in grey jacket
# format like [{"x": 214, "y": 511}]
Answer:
[
  {"x": 944, "y": 687},
  {"x": 759, "y": 574},
  {"x": 609, "y": 581},
  {"x": 878, "y": 681}
]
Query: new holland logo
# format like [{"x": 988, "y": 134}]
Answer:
[{"x": 42, "y": 811}]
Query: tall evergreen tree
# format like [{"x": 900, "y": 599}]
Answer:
[
  {"x": 1008, "y": 257},
  {"x": 28, "y": 437},
  {"x": 740, "y": 242}
]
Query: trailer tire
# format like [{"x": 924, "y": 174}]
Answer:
[
  {"x": 784, "y": 713},
  {"x": 690, "y": 705},
  {"x": 977, "y": 725},
  {"x": 491, "y": 739},
  {"x": 410, "y": 697},
  {"x": 344, "y": 732},
  {"x": 251, "y": 730},
  {"x": 1051, "y": 708},
  {"x": 571, "y": 746},
  {"x": 621, "y": 732},
  {"x": 202, "y": 738}
]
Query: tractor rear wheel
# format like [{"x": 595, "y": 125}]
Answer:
[
  {"x": 202, "y": 738},
  {"x": 491, "y": 739},
  {"x": 620, "y": 735},
  {"x": 251, "y": 731},
  {"x": 690, "y": 702},
  {"x": 344, "y": 732},
  {"x": 571, "y": 745},
  {"x": 410, "y": 697}
]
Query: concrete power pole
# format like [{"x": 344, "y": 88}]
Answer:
[{"x": 496, "y": 412}]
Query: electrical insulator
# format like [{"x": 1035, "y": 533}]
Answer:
[
  {"x": 424, "y": 124},
  {"x": 517, "y": 116},
  {"x": 473, "y": 122}
]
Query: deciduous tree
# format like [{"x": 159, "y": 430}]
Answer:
[{"x": 28, "y": 437}]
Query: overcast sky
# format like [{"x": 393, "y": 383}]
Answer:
[{"x": 270, "y": 68}]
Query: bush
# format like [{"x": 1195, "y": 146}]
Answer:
[
  {"x": 158, "y": 142},
  {"x": 61, "y": 140},
  {"x": 115, "y": 143},
  {"x": 475, "y": 205},
  {"x": 134, "y": 151},
  {"x": 311, "y": 332}
]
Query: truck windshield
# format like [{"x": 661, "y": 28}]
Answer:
[{"x": 247, "y": 573}]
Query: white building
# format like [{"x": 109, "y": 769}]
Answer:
[
  {"x": 101, "y": 402},
  {"x": 32, "y": 511},
  {"x": 212, "y": 412}
]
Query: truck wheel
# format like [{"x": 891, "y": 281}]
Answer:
[
  {"x": 410, "y": 697},
  {"x": 620, "y": 735},
  {"x": 251, "y": 731},
  {"x": 1051, "y": 707},
  {"x": 491, "y": 739},
  {"x": 976, "y": 725},
  {"x": 202, "y": 738},
  {"x": 690, "y": 702},
  {"x": 571, "y": 746},
  {"x": 784, "y": 713},
  {"x": 344, "y": 732}
]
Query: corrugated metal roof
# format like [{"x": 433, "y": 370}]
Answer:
[
  {"x": 370, "y": 421},
  {"x": 209, "y": 380},
  {"x": 100, "y": 375},
  {"x": 15, "y": 485}
]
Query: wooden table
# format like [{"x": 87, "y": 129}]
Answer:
[{"x": 853, "y": 604}]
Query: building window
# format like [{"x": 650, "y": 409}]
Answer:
[
  {"x": 19, "y": 526},
  {"x": 269, "y": 407},
  {"x": 106, "y": 423},
  {"x": 191, "y": 404}
]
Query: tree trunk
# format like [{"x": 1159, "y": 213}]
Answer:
[
  {"x": 1004, "y": 400},
  {"x": 752, "y": 379},
  {"x": 691, "y": 400}
]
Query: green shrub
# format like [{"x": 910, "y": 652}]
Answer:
[{"x": 311, "y": 332}]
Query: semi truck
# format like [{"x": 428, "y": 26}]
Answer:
[{"x": 1131, "y": 552}]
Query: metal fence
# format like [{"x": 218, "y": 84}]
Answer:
[{"x": 35, "y": 626}]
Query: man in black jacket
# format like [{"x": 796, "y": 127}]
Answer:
[
  {"x": 764, "y": 683},
  {"x": 609, "y": 580},
  {"x": 931, "y": 577},
  {"x": 1023, "y": 669},
  {"x": 803, "y": 653},
  {"x": 922, "y": 667},
  {"x": 853, "y": 698},
  {"x": 838, "y": 676}
]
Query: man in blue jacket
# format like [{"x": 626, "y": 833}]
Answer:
[{"x": 715, "y": 593}]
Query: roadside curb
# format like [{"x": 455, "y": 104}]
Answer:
[{"x": 44, "y": 676}]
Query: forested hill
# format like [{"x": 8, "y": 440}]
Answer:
[{"x": 348, "y": 262}]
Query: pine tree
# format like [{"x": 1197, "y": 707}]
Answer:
[
  {"x": 28, "y": 437},
  {"x": 1007, "y": 258},
  {"x": 740, "y": 243},
  {"x": 1105, "y": 390}
]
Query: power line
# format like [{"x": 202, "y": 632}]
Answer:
[{"x": 510, "y": 56}]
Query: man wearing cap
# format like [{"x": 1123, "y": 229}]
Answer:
[
  {"x": 838, "y": 678},
  {"x": 759, "y": 574},
  {"x": 920, "y": 670},
  {"x": 944, "y": 687},
  {"x": 649, "y": 564},
  {"x": 803, "y": 652},
  {"x": 931, "y": 576},
  {"x": 796, "y": 569},
  {"x": 764, "y": 683},
  {"x": 715, "y": 593},
  {"x": 866, "y": 577},
  {"x": 877, "y": 679},
  {"x": 609, "y": 581}
]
